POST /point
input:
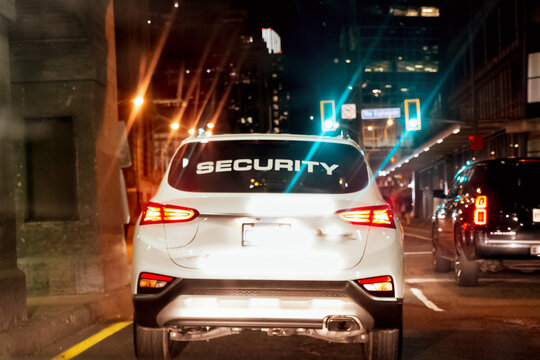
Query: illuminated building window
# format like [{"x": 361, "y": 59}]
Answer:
[
  {"x": 404, "y": 11},
  {"x": 417, "y": 66},
  {"x": 430, "y": 11}
]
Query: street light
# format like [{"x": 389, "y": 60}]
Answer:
[{"x": 138, "y": 101}]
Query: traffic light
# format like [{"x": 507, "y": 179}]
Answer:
[
  {"x": 328, "y": 115},
  {"x": 413, "y": 120}
]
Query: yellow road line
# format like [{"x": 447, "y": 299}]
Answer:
[{"x": 91, "y": 341}]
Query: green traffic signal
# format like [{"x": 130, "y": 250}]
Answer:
[{"x": 413, "y": 120}]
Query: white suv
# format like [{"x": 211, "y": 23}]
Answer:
[{"x": 287, "y": 234}]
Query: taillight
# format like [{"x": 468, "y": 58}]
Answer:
[
  {"x": 151, "y": 283},
  {"x": 480, "y": 210},
  {"x": 155, "y": 213},
  {"x": 372, "y": 215},
  {"x": 378, "y": 286}
]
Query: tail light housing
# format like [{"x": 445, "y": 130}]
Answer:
[
  {"x": 150, "y": 283},
  {"x": 380, "y": 216},
  {"x": 480, "y": 210},
  {"x": 155, "y": 213},
  {"x": 381, "y": 286}
]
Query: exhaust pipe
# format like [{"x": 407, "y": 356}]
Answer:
[{"x": 342, "y": 323}]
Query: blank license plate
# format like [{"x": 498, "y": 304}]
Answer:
[{"x": 264, "y": 234}]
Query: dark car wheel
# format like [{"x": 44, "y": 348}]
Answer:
[
  {"x": 154, "y": 343},
  {"x": 384, "y": 345},
  {"x": 438, "y": 263},
  {"x": 466, "y": 271}
]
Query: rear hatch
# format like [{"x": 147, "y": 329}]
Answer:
[
  {"x": 268, "y": 207},
  {"x": 514, "y": 197}
]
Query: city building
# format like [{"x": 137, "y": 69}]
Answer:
[
  {"x": 489, "y": 103},
  {"x": 391, "y": 52}
]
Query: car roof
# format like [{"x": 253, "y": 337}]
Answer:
[
  {"x": 510, "y": 160},
  {"x": 268, "y": 136},
  {"x": 487, "y": 162}
]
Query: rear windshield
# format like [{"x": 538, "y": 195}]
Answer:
[
  {"x": 517, "y": 181},
  {"x": 268, "y": 166}
]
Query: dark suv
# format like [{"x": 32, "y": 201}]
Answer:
[{"x": 489, "y": 220}]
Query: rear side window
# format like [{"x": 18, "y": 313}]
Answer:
[{"x": 268, "y": 166}]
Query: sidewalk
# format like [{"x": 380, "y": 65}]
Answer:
[{"x": 51, "y": 318}]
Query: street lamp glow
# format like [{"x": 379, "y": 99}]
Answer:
[
  {"x": 390, "y": 122},
  {"x": 175, "y": 126},
  {"x": 210, "y": 125},
  {"x": 138, "y": 101},
  {"x": 370, "y": 128},
  {"x": 191, "y": 131}
]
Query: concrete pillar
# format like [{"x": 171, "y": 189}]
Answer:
[
  {"x": 12, "y": 280},
  {"x": 63, "y": 70}
]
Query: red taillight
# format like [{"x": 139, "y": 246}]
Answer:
[
  {"x": 480, "y": 210},
  {"x": 150, "y": 276},
  {"x": 373, "y": 216},
  {"x": 378, "y": 286},
  {"x": 155, "y": 213},
  {"x": 150, "y": 283}
]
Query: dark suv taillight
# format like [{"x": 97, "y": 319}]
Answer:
[
  {"x": 155, "y": 213},
  {"x": 480, "y": 210}
]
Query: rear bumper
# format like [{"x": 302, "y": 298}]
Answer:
[
  {"x": 264, "y": 304},
  {"x": 507, "y": 246}
]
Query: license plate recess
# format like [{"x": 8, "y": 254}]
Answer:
[{"x": 264, "y": 234}]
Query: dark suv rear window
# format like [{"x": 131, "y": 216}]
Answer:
[
  {"x": 268, "y": 166},
  {"x": 515, "y": 181}
]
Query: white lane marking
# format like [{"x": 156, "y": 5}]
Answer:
[
  {"x": 433, "y": 280},
  {"x": 420, "y": 295},
  {"x": 417, "y": 253},
  {"x": 418, "y": 236}
]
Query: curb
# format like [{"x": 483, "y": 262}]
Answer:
[{"x": 39, "y": 333}]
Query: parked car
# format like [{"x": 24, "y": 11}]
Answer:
[
  {"x": 489, "y": 220},
  {"x": 287, "y": 234}
]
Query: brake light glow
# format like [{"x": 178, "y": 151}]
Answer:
[
  {"x": 153, "y": 281},
  {"x": 378, "y": 286},
  {"x": 155, "y": 213},
  {"x": 380, "y": 216},
  {"x": 480, "y": 210}
]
